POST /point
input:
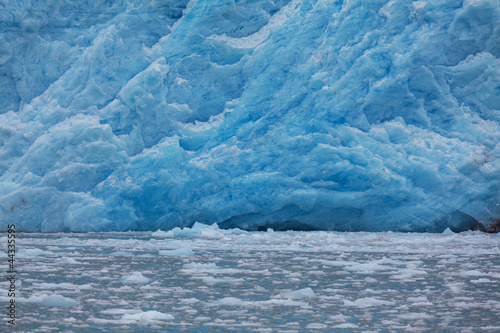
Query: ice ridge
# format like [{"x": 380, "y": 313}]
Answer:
[{"x": 292, "y": 114}]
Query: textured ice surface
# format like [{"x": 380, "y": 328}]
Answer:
[
  {"x": 339, "y": 115},
  {"x": 51, "y": 300},
  {"x": 258, "y": 282}
]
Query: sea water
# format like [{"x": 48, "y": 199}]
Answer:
[{"x": 205, "y": 279}]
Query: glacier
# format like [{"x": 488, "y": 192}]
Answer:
[{"x": 345, "y": 115}]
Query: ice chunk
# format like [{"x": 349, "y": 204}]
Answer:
[
  {"x": 448, "y": 231},
  {"x": 367, "y": 302},
  {"x": 68, "y": 261},
  {"x": 232, "y": 301},
  {"x": 212, "y": 280},
  {"x": 368, "y": 267},
  {"x": 301, "y": 293},
  {"x": 32, "y": 253},
  {"x": 473, "y": 273},
  {"x": 65, "y": 285},
  {"x": 346, "y": 325},
  {"x": 121, "y": 254},
  {"x": 185, "y": 251},
  {"x": 236, "y": 302},
  {"x": 316, "y": 326},
  {"x": 159, "y": 233},
  {"x": 415, "y": 316},
  {"x": 201, "y": 266},
  {"x": 419, "y": 301},
  {"x": 147, "y": 316},
  {"x": 51, "y": 300},
  {"x": 135, "y": 278},
  {"x": 197, "y": 230},
  {"x": 208, "y": 268},
  {"x": 406, "y": 274},
  {"x": 482, "y": 280}
]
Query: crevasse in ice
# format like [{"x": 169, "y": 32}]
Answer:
[{"x": 336, "y": 115}]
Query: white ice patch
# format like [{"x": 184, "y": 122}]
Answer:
[
  {"x": 301, "y": 293},
  {"x": 366, "y": 268},
  {"x": 197, "y": 230},
  {"x": 448, "y": 231},
  {"x": 260, "y": 36},
  {"x": 473, "y": 273},
  {"x": 345, "y": 326},
  {"x": 419, "y": 301},
  {"x": 32, "y": 253},
  {"x": 367, "y": 302},
  {"x": 316, "y": 326},
  {"x": 121, "y": 254},
  {"x": 147, "y": 316},
  {"x": 337, "y": 263},
  {"x": 185, "y": 251},
  {"x": 237, "y": 302},
  {"x": 228, "y": 280},
  {"x": 64, "y": 285},
  {"x": 232, "y": 301},
  {"x": 482, "y": 280},
  {"x": 68, "y": 261},
  {"x": 208, "y": 268},
  {"x": 408, "y": 274},
  {"x": 51, "y": 300},
  {"x": 415, "y": 316},
  {"x": 135, "y": 278}
]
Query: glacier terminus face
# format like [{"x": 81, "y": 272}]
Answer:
[{"x": 290, "y": 114}]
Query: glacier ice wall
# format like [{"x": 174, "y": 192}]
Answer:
[{"x": 337, "y": 115}]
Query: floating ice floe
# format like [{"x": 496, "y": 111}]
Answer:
[
  {"x": 228, "y": 280},
  {"x": 184, "y": 251},
  {"x": 135, "y": 278},
  {"x": 301, "y": 293},
  {"x": 237, "y": 302},
  {"x": 368, "y": 302},
  {"x": 32, "y": 253},
  {"x": 197, "y": 230},
  {"x": 64, "y": 285},
  {"x": 208, "y": 268},
  {"x": 51, "y": 300},
  {"x": 121, "y": 253},
  {"x": 147, "y": 316},
  {"x": 448, "y": 231}
]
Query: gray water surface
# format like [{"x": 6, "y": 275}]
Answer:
[{"x": 233, "y": 281}]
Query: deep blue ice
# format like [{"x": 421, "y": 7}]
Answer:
[{"x": 334, "y": 115}]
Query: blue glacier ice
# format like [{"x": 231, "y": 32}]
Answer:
[{"x": 286, "y": 114}]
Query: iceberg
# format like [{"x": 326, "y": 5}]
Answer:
[{"x": 287, "y": 114}]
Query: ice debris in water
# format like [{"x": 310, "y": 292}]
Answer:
[
  {"x": 281, "y": 281},
  {"x": 147, "y": 316},
  {"x": 197, "y": 230},
  {"x": 292, "y": 114},
  {"x": 302, "y": 293},
  {"x": 135, "y": 278},
  {"x": 183, "y": 251},
  {"x": 51, "y": 300},
  {"x": 368, "y": 302},
  {"x": 448, "y": 231}
]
